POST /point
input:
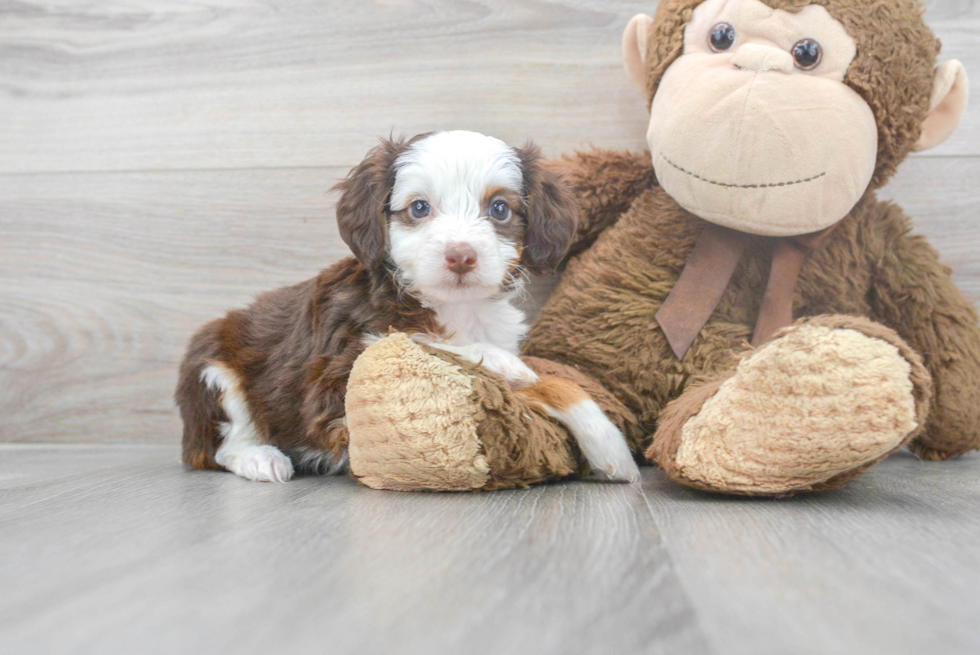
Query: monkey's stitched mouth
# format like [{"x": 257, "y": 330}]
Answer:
[{"x": 740, "y": 186}]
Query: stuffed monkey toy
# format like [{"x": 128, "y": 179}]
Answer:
[{"x": 738, "y": 301}]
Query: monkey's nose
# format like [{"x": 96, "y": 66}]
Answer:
[
  {"x": 460, "y": 258},
  {"x": 761, "y": 58}
]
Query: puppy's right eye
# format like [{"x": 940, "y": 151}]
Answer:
[
  {"x": 420, "y": 209},
  {"x": 499, "y": 210}
]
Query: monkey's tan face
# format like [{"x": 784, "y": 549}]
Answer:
[{"x": 752, "y": 126}]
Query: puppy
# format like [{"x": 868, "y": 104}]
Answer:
[{"x": 444, "y": 229}]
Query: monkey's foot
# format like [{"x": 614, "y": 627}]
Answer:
[
  {"x": 424, "y": 419},
  {"x": 821, "y": 402}
]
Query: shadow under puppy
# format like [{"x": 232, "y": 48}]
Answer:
[{"x": 444, "y": 228}]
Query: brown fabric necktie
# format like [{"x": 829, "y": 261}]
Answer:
[{"x": 707, "y": 273}]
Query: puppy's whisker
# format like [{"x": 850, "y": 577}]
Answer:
[
  {"x": 522, "y": 295},
  {"x": 514, "y": 284},
  {"x": 520, "y": 276},
  {"x": 524, "y": 274},
  {"x": 405, "y": 287}
]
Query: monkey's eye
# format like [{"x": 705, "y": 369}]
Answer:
[
  {"x": 499, "y": 210},
  {"x": 420, "y": 209},
  {"x": 722, "y": 37},
  {"x": 807, "y": 54}
]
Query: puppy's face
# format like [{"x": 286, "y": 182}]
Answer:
[
  {"x": 457, "y": 224},
  {"x": 464, "y": 215}
]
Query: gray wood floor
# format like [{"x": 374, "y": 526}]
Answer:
[{"x": 118, "y": 549}]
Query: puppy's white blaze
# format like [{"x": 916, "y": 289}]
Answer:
[
  {"x": 453, "y": 169},
  {"x": 242, "y": 450},
  {"x": 600, "y": 440}
]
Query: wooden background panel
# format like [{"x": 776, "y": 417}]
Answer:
[
  {"x": 259, "y": 109},
  {"x": 102, "y": 290},
  {"x": 151, "y": 84},
  {"x": 105, "y": 277},
  {"x": 154, "y": 84},
  {"x": 942, "y": 196},
  {"x": 100, "y": 294},
  {"x": 186, "y": 231}
]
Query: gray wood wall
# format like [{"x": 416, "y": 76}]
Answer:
[{"x": 162, "y": 161}]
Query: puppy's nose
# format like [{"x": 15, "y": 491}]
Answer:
[{"x": 460, "y": 258}]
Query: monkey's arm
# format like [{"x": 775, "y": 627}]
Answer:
[
  {"x": 606, "y": 182},
  {"x": 913, "y": 293}
]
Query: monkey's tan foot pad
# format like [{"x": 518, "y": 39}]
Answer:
[
  {"x": 423, "y": 419},
  {"x": 822, "y": 401}
]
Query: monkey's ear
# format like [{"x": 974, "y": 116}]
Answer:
[
  {"x": 552, "y": 213},
  {"x": 950, "y": 90},
  {"x": 635, "y": 50},
  {"x": 363, "y": 204}
]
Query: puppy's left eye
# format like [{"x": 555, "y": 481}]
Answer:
[
  {"x": 420, "y": 209},
  {"x": 499, "y": 210}
]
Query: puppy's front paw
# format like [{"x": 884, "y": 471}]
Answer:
[
  {"x": 511, "y": 368},
  {"x": 264, "y": 464}
]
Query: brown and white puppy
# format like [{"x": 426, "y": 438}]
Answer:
[{"x": 444, "y": 228}]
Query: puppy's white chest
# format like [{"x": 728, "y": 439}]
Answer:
[{"x": 495, "y": 322}]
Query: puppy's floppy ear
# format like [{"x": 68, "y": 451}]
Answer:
[
  {"x": 552, "y": 213},
  {"x": 363, "y": 205}
]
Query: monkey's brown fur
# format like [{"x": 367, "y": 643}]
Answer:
[
  {"x": 871, "y": 275},
  {"x": 870, "y": 266}
]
